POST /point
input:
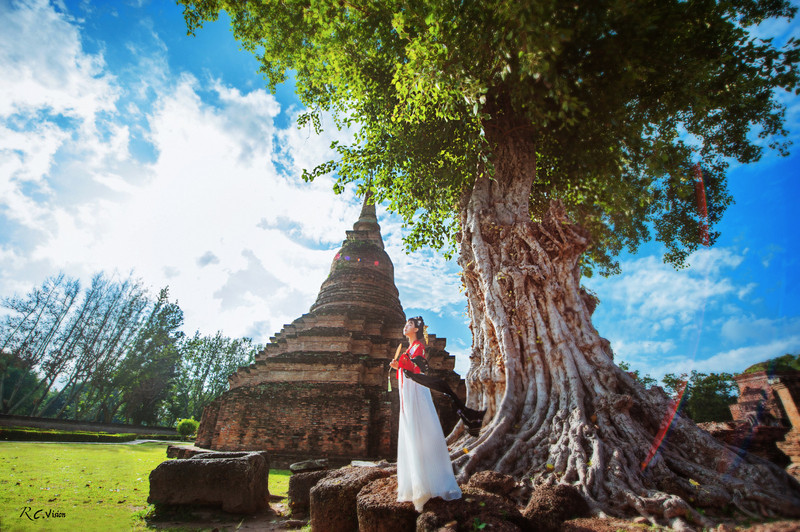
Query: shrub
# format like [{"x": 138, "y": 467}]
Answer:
[
  {"x": 187, "y": 427},
  {"x": 27, "y": 434}
]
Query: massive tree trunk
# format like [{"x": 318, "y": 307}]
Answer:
[{"x": 559, "y": 409}]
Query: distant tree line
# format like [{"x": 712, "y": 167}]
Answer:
[
  {"x": 701, "y": 396},
  {"x": 787, "y": 362},
  {"x": 109, "y": 352},
  {"x": 706, "y": 396}
]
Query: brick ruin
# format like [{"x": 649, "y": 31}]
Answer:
[
  {"x": 788, "y": 390},
  {"x": 766, "y": 418},
  {"x": 319, "y": 388},
  {"x": 758, "y": 404}
]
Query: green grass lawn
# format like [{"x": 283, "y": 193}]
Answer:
[{"x": 84, "y": 487}]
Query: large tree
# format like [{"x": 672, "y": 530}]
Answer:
[
  {"x": 540, "y": 138},
  {"x": 151, "y": 364},
  {"x": 206, "y": 364},
  {"x": 703, "y": 397}
]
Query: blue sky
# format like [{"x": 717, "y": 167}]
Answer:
[{"x": 126, "y": 145}]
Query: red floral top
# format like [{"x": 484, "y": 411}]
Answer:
[{"x": 404, "y": 362}]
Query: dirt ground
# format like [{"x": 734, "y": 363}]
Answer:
[
  {"x": 279, "y": 519},
  {"x": 200, "y": 519},
  {"x": 614, "y": 525}
]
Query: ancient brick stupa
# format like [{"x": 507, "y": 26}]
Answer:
[
  {"x": 319, "y": 388},
  {"x": 766, "y": 417}
]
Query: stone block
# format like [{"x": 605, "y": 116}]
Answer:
[
  {"x": 378, "y": 510},
  {"x": 333, "y": 499},
  {"x": 235, "y": 482},
  {"x": 182, "y": 452},
  {"x": 306, "y": 466},
  {"x": 300, "y": 485}
]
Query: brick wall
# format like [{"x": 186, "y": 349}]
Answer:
[
  {"x": 346, "y": 421},
  {"x": 758, "y": 404},
  {"x": 299, "y": 421}
]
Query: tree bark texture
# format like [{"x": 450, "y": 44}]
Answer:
[{"x": 558, "y": 408}]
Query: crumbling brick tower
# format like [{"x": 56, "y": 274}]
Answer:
[{"x": 319, "y": 388}]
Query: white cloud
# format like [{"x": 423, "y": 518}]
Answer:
[
  {"x": 212, "y": 186},
  {"x": 740, "y": 329},
  {"x": 646, "y": 356},
  {"x": 652, "y": 292},
  {"x": 662, "y": 320},
  {"x": 207, "y": 258},
  {"x": 462, "y": 359},
  {"x": 51, "y": 71},
  {"x": 731, "y": 361},
  {"x": 426, "y": 280},
  {"x": 189, "y": 218},
  {"x": 746, "y": 289},
  {"x": 53, "y": 98},
  {"x": 640, "y": 350},
  {"x": 304, "y": 148},
  {"x": 243, "y": 244}
]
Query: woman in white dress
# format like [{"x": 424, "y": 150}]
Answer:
[{"x": 424, "y": 469}]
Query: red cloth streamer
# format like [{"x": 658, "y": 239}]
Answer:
[
  {"x": 666, "y": 423},
  {"x": 700, "y": 194},
  {"x": 702, "y": 211}
]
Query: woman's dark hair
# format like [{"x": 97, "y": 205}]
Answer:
[{"x": 419, "y": 323}]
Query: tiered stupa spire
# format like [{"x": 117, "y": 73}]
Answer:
[
  {"x": 361, "y": 279},
  {"x": 318, "y": 389}
]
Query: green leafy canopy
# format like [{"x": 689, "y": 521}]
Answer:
[{"x": 621, "y": 98}]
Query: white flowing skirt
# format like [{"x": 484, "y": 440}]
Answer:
[{"x": 424, "y": 469}]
